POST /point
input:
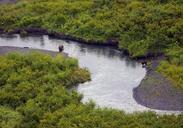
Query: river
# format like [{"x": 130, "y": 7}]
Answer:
[{"x": 113, "y": 75}]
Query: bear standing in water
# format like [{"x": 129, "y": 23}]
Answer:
[
  {"x": 144, "y": 64},
  {"x": 61, "y": 48}
]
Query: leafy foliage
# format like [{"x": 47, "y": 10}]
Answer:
[
  {"x": 35, "y": 93},
  {"x": 34, "y": 88},
  {"x": 173, "y": 72},
  {"x": 173, "y": 67},
  {"x": 141, "y": 26},
  {"x": 175, "y": 55},
  {"x": 35, "y": 83},
  {"x": 9, "y": 118}
]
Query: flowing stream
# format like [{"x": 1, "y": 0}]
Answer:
[{"x": 113, "y": 75}]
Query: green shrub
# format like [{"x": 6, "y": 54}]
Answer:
[
  {"x": 34, "y": 88},
  {"x": 9, "y": 118},
  {"x": 173, "y": 72},
  {"x": 175, "y": 55},
  {"x": 158, "y": 24},
  {"x": 35, "y": 93}
]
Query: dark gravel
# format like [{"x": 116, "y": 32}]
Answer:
[{"x": 157, "y": 92}]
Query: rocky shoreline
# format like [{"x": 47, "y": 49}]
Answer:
[{"x": 157, "y": 92}]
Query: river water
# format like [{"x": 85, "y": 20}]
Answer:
[{"x": 113, "y": 75}]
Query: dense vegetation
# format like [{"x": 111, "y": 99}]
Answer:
[
  {"x": 173, "y": 67},
  {"x": 34, "y": 84},
  {"x": 34, "y": 93},
  {"x": 34, "y": 88},
  {"x": 140, "y": 26}
]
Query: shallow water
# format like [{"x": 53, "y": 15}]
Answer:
[{"x": 113, "y": 75}]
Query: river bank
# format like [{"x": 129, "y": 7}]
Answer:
[
  {"x": 108, "y": 43},
  {"x": 149, "y": 93},
  {"x": 156, "y": 91},
  {"x": 7, "y": 49},
  {"x": 40, "y": 31}
]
